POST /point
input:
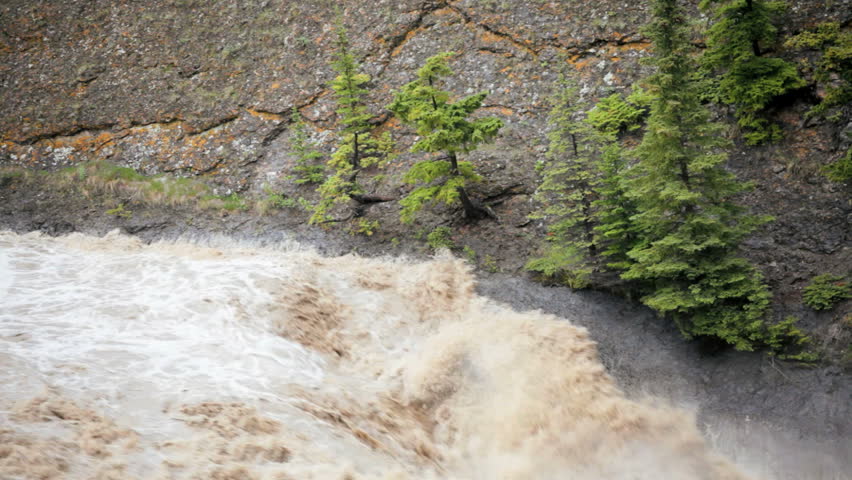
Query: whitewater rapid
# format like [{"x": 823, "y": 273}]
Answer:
[{"x": 178, "y": 361}]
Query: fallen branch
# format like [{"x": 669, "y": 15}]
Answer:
[{"x": 367, "y": 198}]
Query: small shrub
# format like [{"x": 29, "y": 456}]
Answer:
[
  {"x": 120, "y": 211},
  {"x": 440, "y": 237},
  {"x": 833, "y": 70},
  {"x": 787, "y": 342},
  {"x": 567, "y": 266},
  {"x": 230, "y": 202},
  {"x": 841, "y": 170},
  {"x": 489, "y": 263},
  {"x": 365, "y": 227},
  {"x": 469, "y": 254},
  {"x": 276, "y": 201},
  {"x": 825, "y": 291},
  {"x": 307, "y": 168}
]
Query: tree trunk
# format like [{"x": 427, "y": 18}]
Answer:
[
  {"x": 588, "y": 228},
  {"x": 755, "y": 46},
  {"x": 473, "y": 209},
  {"x": 356, "y": 155}
]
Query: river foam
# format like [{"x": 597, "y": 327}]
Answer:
[{"x": 182, "y": 361}]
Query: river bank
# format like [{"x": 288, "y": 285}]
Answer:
[{"x": 799, "y": 414}]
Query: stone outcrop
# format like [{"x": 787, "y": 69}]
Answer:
[{"x": 198, "y": 87}]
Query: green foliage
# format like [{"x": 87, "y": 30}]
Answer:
[
  {"x": 469, "y": 254},
  {"x": 613, "y": 115},
  {"x": 787, "y": 342},
  {"x": 306, "y": 170},
  {"x": 108, "y": 171},
  {"x": 442, "y": 126},
  {"x": 441, "y": 237},
  {"x": 833, "y": 69},
  {"x": 427, "y": 171},
  {"x": 178, "y": 188},
  {"x": 120, "y": 211},
  {"x": 7, "y": 174},
  {"x": 234, "y": 202},
  {"x": 615, "y": 232},
  {"x": 103, "y": 172},
  {"x": 825, "y": 291},
  {"x": 563, "y": 264},
  {"x": 841, "y": 170},
  {"x": 365, "y": 227},
  {"x": 276, "y": 201},
  {"x": 687, "y": 228},
  {"x": 568, "y": 189},
  {"x": 336, "y": 190},
  {"x": 748, "y": 80},
  {"x": 489, "y": 263},
  {"x": 359, "y": 145}
]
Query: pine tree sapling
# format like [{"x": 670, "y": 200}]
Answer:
[
  {"x": 359, "y": 145},
  {"x": 444, "y": 127},
  {"x": 306, "y": 170},
  {"x": 615, "y": 231},
  {"x": 689, "y": 229},
  {"x": 825, "y": 291},
  {"x": 567, "y": 190},
  {"x": 748, "y": 79}
]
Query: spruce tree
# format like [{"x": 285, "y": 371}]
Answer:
[
  {"x": 359, "y": 146},
  {"x": 567, "y": 191},
  {"x": 615, "y": 231},
  {"x": 306, "y": 170},
  {"x": 737, "y": 44},
  {"x": 444, "y": 127},
  {"x": 688, "y": 227}
]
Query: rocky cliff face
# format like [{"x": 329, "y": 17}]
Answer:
[{"x": 199, "y": 87}]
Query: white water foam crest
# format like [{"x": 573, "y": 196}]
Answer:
[{"x": 220, "y": 360}]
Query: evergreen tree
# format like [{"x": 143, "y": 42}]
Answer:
[
  {"x": 688, "y": 228},
  {"x": 614, "y": 114},
  {"x": 749, "y": 80},
  {"x": 306, "y": 170},
  {"x": 443, "y": 126},
  {"x": 567, "y": 191},
  {"x": 833, "y": 69},
  {"x": 359, "y": 146},
  {"x": 614, "y": 209}
]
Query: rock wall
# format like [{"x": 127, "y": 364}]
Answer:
[{"x": 204, "y": 87}]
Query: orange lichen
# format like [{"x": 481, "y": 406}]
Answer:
[
  {"x": 408, "y": 36},
  {"x": 500, "y": 54},
  {"x": 505, "y": 111},
  {"x": 581, "y": 64},
  {"x": 274, "y": 117},
  {"x": 628, "y": 47},
  {"x": 490, "y": 37}
]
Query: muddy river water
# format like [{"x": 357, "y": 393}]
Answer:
[{"x": 120, "y": 360}]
